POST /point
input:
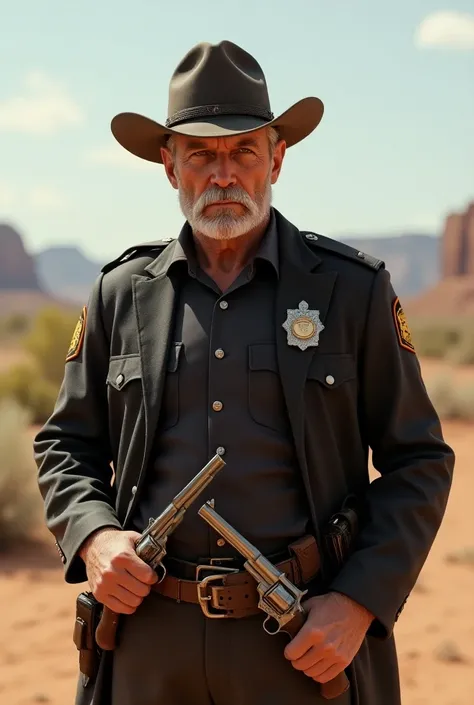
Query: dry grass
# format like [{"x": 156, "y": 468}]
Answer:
[{"x": 20, "y": 500}]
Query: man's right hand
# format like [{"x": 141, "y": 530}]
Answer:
[{"x": 117, "y": 577}]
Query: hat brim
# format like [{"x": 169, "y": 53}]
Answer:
[{"x": 144, "y": 137}]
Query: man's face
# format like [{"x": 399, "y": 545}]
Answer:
[{"x": 225, "y": 183}]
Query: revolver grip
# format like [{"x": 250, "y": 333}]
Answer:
[
  {"x": 106, "y": 629},
  {"x": 335, "y": 687}
]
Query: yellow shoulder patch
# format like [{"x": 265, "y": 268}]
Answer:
[
  {"x": 77, "y": 339},
  {"x": 403, "y": 331}
]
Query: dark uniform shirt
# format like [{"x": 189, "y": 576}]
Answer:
[{"x": 223, "y": 394}]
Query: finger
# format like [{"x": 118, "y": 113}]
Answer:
[
  {"x": 313, "y": 656},
  {"x": 130, "y": 583},
  {"x": 125, "y": 596},
  {"x": 317, "y": 669},
  {"x": 140, "y": 570},
  {"x": 329, "y": 673},
  {"x": 306, "y": 638},
  {"x": 118, "y": 606}
]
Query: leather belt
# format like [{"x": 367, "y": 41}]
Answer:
[{"x": 221, "y": 591}]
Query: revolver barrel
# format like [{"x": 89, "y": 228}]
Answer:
[{"x": 189, "y": 493}]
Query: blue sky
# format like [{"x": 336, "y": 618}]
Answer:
[{"x": 395, "y": 149}]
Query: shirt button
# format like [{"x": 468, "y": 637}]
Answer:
[
  {"x": 224, "y": 305},
  {"x": 119, "y": 380},
  {"x": 134, "y": 489},
  {"x": 219, "y": 353},
  {"x": 220, "y": 542},
  {"x": 217, "y": 405},
  {"x": 220, "y": 450},
  {"x": 330, "y": 379}
]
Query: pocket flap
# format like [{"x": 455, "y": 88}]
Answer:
[
  {"x": 332, "y": 370},
  {"x": 123, "y": 370},
  {"x": 262, "y": 356},
  {"x": 173, "y": 356}
]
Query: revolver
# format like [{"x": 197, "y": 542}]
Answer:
[
  {"x": 278, "y": 597},
  {"x": 151, "y": 546}
]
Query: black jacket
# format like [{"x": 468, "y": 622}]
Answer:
[{"x": 109, "y": 404}]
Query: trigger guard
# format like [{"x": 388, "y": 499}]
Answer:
[
  {"x": 272, "y": 633},
  {"x": 161, "y": 572}
]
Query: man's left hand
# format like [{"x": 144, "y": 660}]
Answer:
[{"x": 330, "y": 638}]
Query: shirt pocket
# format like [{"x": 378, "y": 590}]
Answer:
[
  {"x": 335, "y": 373},
  {"x": 265, "y": 393},
  {"x": 170, "y": 406},
  {"x": 122, "y": 371}
]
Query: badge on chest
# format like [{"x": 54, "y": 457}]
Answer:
[{"x": 303, "y": 326}]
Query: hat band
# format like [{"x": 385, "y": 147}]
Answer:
[{"x": 205, "y": 111}]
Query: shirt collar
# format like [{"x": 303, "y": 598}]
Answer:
[{"x": 184, "y": 250}]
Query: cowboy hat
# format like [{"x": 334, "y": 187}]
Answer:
[{"x": 217, "y": 90}]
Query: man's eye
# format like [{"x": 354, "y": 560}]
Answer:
[{"x": 245, "y": 150}]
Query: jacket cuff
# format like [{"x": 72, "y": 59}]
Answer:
[
  {"x": 373, "y": 600},
  {"x": 74, "y": 566}
]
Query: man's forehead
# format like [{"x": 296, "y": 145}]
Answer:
[{"x": 227, "y": 142}]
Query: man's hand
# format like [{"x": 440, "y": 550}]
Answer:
[
  {"x": 117, "y": 577},
  {"x": 330, "y": 638}
]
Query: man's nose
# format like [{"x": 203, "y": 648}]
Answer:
[{"x": 223, "y": 174}]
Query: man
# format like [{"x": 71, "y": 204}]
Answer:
[{"x": 287, "y": 353}]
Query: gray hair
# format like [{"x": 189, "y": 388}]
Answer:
[{"x": 272, "y": 134}]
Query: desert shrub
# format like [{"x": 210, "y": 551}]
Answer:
[
  {"x": 434, "y": 337},
  {"x": 25, "y": 385},
  {"x": 20, "y": 500},
  {"x": 14, "y": 326},
  {"x": 48, "y": 342},
  {"x": 462, "y": 352},
  {"x": 451, "y": 399}
]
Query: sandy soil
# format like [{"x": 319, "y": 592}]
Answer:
[{"x": 435, "y": 633}]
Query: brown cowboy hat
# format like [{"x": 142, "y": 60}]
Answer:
[{"x": 217, "y": 90}]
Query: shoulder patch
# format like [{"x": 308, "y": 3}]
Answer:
[
  {"x": 77, "y": 339},
  {"x": 401, "y": 324},
  {"x": 340, "y": 248},
  {"x": 152, "y": 247}
]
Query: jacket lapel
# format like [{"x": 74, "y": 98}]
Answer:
[
  {"x": 298, "y": 282},
  {"x": 154, "y": 300}
]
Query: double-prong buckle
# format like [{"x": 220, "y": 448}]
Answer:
[{"x": 206, "y": 601}]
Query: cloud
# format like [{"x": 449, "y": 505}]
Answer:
[
  {"x": 446, "y": 29},
  {"x": 47, "y": 199},
  {"x": 42, "y": 107},
  {"x": 116, "y": 156}
]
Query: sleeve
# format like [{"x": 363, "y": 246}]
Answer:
[
  {"x": 72, "y": 449},
  {"x": 406, "y": 504}
]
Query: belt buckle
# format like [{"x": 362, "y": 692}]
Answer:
[{"x": 205, "y": 600}]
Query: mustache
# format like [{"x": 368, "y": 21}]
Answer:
[{"x": 215, "y": 194}]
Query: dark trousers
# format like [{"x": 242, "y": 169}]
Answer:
[{"x": 171, "y": 654}]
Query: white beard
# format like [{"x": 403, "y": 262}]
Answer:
[{"x": 224, "y": 224}]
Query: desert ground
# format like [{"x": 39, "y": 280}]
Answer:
[{"x": 435, "y": 633}]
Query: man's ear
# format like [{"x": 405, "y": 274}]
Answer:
[
  {"x": 168, "y": 163},
  {"x": 278, "y": 157}
]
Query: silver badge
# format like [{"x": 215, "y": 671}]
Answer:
[{"x": 303, "y": 326}]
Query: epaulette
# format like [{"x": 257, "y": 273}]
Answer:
[
  {"x": 154, "y": 247},
  {"x": 340, "y": 248}
]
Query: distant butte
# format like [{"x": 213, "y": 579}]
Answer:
[{"x": 17, "y": 267}]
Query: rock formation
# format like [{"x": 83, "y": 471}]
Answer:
[
  {"x": 457, "y": 254},
  {"x": 17, "y": 267}
]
